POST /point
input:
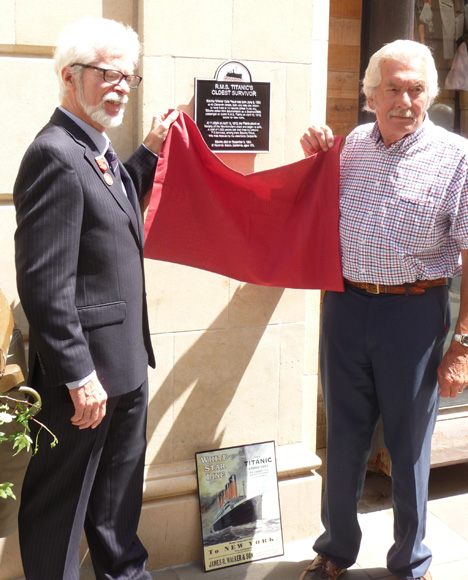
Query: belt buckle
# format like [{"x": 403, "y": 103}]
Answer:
[{"x": 372, "y": 288}]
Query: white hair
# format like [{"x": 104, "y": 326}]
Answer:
[
  {"x": 92, "y": 39},
  {"x": 406, "y": 51}
]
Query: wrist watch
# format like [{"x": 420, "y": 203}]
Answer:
[{"x": 461, "y": 338}]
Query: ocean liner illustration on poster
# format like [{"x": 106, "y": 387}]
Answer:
[{"x": 239, "y": 504}]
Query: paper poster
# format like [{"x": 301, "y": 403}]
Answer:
[{"x": 239, "y": 505}]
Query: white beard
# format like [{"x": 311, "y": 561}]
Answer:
[{"x": 98, "y": 112}]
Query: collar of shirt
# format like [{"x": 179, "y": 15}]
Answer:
[
  {"x": 406, "y": 142},
  {"x": 101, "y": 140}
]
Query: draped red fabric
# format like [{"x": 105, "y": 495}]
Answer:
[{"x": 273, "y": 228}]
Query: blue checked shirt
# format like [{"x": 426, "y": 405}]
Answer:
[{"x": 403, "y": 210}]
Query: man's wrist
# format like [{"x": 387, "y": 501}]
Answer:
[
  {"x": 82, "y": 382},
  {"x": 152, "y": 152}
]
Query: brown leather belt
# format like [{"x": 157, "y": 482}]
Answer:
[{"x": 418, "y": 287}]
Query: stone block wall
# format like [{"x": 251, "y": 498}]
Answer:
[{"x": 237, "y": 363}]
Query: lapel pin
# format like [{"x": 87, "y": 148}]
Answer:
[
  {"x": 102, "y": 163},
  {"x": 104, "y": 167}
]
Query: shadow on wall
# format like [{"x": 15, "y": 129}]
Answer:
[{"x": 204, "y": 380}]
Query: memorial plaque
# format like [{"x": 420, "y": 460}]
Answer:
[{"x": 232, "y": 112}]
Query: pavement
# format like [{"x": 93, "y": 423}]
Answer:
[{"x": 447, "y": 536}]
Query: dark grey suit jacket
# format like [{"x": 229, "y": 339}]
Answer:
[{"x": 79, "y": 261}]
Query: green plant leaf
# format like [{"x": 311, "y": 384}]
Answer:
[
  {"x": 23, "y": 416},
  {"x": 22, "y": 441},
  {"x": 6, "y": 490},
  {"x": 13, "y": 409}
]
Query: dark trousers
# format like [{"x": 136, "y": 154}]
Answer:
[
  {"x": 92, "y": 479},
  {"x": 379, "y": 356}
]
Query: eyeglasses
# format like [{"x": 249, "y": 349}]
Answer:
[{"x": 114, "y": 77}]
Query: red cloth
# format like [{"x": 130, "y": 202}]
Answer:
[{"x": 273, "y": 228}]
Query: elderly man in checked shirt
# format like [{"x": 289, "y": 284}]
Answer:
[{"x": 403, "y": 229}]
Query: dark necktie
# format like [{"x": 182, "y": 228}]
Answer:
[{"x": 113, "y": 160}]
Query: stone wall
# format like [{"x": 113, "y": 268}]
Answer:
[{"x": 236, "y": 363}]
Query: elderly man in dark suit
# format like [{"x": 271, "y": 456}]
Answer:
[{"x": 79, "y": 260}]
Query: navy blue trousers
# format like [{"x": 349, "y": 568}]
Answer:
[
  {"x": 93, "y": 479},
  {"x": 379, "y": 357}
]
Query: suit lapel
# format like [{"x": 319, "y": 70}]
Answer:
[
  {"x": 131, "y": 201},
  {"x": 116, "y": 191},
  {"x": 91, "y": 154}
]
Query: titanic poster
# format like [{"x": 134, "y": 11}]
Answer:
[{"x": 239, "y": 504}]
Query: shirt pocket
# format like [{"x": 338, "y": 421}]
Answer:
[{"x": 412, "y": 222}]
